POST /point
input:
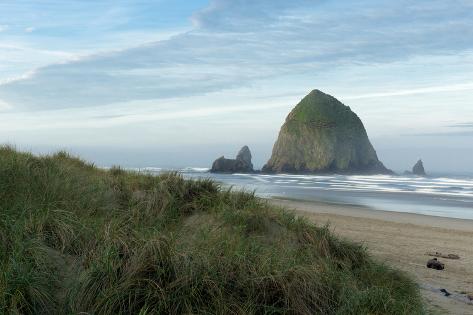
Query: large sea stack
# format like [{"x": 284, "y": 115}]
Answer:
[{"x": 321, "y": 135}]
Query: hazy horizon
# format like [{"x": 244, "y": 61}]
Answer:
[
  {"x": 176, "y": 158},
  {"x": 180, "y": 83}
]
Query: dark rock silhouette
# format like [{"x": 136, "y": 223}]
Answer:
[
  {"x": 322, "y": 135},
  {"x": 445, "y": 292},
  {"x": 244, "y": 155},
  {"x": 435, "y": 264},
  {"x": 418, "y": 169},
  {"x": 242, "y": 163}
]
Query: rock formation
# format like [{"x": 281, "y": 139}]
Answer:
[
  {"x": 435, "y": 264},
  {"x": 244, "y": 157},
  {"x": 321, "y": 135},
  {"x": 242, "y": 163},
  {"x": 418, "y": 169}
]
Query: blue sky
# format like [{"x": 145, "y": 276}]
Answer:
[{"x": 181, "y": 82}]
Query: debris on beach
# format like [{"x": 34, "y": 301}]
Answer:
[
  {"x": 445, "y": 292},
  {"x": 435, "y": 264},
  {"x": 448, "y": 256},
  {"x": 461, "y": 297}
]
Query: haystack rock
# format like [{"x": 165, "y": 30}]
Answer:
[
  {"x": 242, "y": 163},
  {"x": 418, "y": 169},
  {"x": 321, "y": 135}
]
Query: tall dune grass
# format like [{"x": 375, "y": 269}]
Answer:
[{"x": 78, "y": 239}]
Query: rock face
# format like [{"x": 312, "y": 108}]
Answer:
[
  {"x": 242, "y": 163},
  {"x": 244, "y": 157},
  {"x": 321, "y": 135},
  {"x": 418, "y": 169}
]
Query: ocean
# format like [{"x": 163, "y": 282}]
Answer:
[{"x": 442, "y": 196}]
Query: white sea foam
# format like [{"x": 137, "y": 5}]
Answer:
[
  {"x": 196, "y": 169},
  {"x": 460, "y": 189},
  {"x": 444, "y": 196},
  {"x": 150, "y": 169},
  {"x": 378, "y": 183}
]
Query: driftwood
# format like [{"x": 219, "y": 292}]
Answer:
[{"x": 448, "y": 256}]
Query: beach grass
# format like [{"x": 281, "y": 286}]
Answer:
[{"x": 78, "y": 239}]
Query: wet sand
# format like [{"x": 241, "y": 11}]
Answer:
[{"x": 402, "y": 241}]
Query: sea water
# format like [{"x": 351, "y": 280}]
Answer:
[{"x": 443, "y": 196}]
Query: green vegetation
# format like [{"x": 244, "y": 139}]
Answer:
[
  {"x": 77, "y": 239},
  {"x": 325, "y": 110}
]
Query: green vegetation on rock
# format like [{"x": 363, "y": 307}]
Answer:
[
  {"x": 75, "y": 239},
  {"x": 323, "y": 135}
]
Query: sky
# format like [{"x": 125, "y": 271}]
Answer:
[{"x": 176, "y": 83}]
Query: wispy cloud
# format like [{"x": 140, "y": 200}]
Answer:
[
  {"x": 468, "y": 125},
  {"x": 110, "y": 116},
  {"x": 3, "y": 28},
  {"x": 462, "y": 129},
  {"x": 83, "y": 28},
  {"x": 4, "y": 105},
  {"x": 417, "y": 91},
  {"x": 444, "y": 134},
  {"x": 241, "y": 43}
]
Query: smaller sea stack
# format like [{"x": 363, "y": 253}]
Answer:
[
  {"x": 242, "y": 163},
  {"x": 418, "y": 169}
]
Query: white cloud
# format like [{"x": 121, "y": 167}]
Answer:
[
  {"x": 242, "y": 43},
  {"x": 4, "y": 106},
  {"x": 3, "y": 28},
  {"x": 424, "y": 90},
  {"x": 138, "y": 112},
  {"x": 19, "y": 59},
  {"x": 30, "y": 29}
]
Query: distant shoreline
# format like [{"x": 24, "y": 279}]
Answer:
[{"x": 360, "y": 211}]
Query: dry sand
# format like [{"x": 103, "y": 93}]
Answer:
[{"x": 402, "y": 241}]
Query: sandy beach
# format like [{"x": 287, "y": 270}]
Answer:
[{"x": 402, "y": 240}]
